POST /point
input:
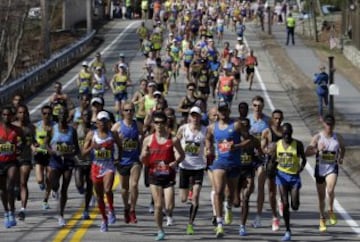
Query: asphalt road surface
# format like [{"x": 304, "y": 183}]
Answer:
[{"x": 120, "y": 36}]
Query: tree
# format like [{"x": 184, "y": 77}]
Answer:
[{"x": 13, "y": 14}]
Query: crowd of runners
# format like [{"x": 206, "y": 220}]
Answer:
[{"x": 142, "y": 135}]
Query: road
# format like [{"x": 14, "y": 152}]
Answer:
[{"x": 120, "y": 37}]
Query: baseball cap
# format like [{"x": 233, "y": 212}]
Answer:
[
  {"x": 195, "y": 109},
  {"x": 239, "y": 38},
  {"x": 329, "y": 119},
  {"x": 98, "y": 54},
  {"x": 98, "y": 68},
  {"x": 103, "y": 115},
  {"x": 97, "y": 100},
  {"x": 121, "y": 55},
  {"x": 85, "y": 63},
  {"x": 157, "y": 93},
  {"x": 151, "y": 84}
]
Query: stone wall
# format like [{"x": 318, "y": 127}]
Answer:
[{"x": 352, "y": 54}]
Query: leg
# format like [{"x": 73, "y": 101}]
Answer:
[
  {"x": 169, "y": 199},
  {"x": 284, "y": 193},
  {"x": 108, "y": 183},
  {"x": 157, "y": 194},
  {"x": 219, "y": 188},
  {"x": 134, "y": 185},
  {"x": 261, "y": 175},
  {"x": 24, "y": 177},
  {"x": 64, "y": 189}
]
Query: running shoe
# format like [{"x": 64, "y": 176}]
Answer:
[
  {"x": 42, "y": 186},
  {"x": 151, "y": 208},
  {"x": 12, "y": 220},
  {"x": 160, "y": 236},
  {"x": 275, "y": 224},
  {"x": 219, "y": 232},
  {"x": 280, "y": 208},
  {"x": 85, "y": 215},
  {"x": 287, "y": 236},
  {"x": 103, "y": 226},
  {"x": 213, "y": 221},
  {"x": 6, "y": 221},
  {"x": 169, "y": 221},
  {"x": 242, "y": 230},
  {"x": 322, "y": 225},
  {"x": 257, "y": 222},
  {"x": 21, "y": 215},
  {"x": 190, "y": 194},
  {"x": 61, "y": 222},
  {"x": 126, "y": 216},
  {"x": 189, "y": 229},
  {"x": 228, "y": 215},
  {"x": 45, "y": 206},
  {"x": 332, "y": 218},
  {"x": 55, "y": 195},
  {"x": 112, "y": 217},
  {"x": 133, "y": 218}
]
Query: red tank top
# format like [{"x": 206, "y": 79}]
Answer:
[
  {"x": 226, "y": 85},
  {"x": 161, "y": 155},
  {"x": 8, "y": 143}
]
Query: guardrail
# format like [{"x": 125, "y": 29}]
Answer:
[{"x": 41, "y": 74}]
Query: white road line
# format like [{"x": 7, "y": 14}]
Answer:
[
  {"x": 68, "y": 83},
  {"x": 340, "y": 210}
]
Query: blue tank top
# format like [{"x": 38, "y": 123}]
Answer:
[
  {"x": 62, "y": 143},
  {"x": 223, "y": 141},
  {"x": 130, "y": 137},
  {"x": 258, "y": 126}
]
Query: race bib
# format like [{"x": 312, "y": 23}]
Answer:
[
  {"x": 192, "y": 148},
  {"x": 286, "y": 160},
  {"x": 7, "y": 149},
  {"x": 224, "y": 146},
  {"x": 130, "y": 144},
  {"x": 102, "y": 154},
  {"x": 245, "y": 159},
  {"x": 64, "y": 148},
  {"x": 161, "y": 169},
  {"x": 328, "y": 157}
]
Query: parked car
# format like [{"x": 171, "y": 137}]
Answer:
[{"x": 329, "y": 9}]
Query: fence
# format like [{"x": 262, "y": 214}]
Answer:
[{"x": 41, "y": 74}]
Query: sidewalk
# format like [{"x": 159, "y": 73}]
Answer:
[{"x": 346, "y": 104}]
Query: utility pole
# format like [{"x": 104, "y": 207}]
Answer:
[
  {"x": 314, "y": 19},
  {"x": 45, "y": 29},
  {"x": 88, "y": 16},
  {"x": 331, "y": 81},
  {"x": 269, "y": 19}
]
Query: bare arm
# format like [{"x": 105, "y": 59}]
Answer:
[{"x": 87, "y": 144}]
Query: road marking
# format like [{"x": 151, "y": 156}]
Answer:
[
  {"x": 340, "y": 210},
  {"x": 61, "y": 235},
  {"x": 80, "y": 233},
  {"x": 68, "y": 83}
]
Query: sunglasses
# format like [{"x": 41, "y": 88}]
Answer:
[
  {"x": 128, "y": 110},
  {"x": 46, "y": 113},
  {"x": 256, "y": 105},
  {"x": 190, "y": 89}
]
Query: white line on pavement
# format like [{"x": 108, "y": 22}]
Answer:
[
  {"x": 68, "y": 83},
  {"x": 344, "y": 214}
]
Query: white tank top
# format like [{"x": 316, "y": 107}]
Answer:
[
  {"x": 327, "y": 159},
  {"x": 99, "y": 87},
  {"x": 193, "y": 145}
]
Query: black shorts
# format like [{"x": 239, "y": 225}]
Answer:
[
  {"x": 164, "y": 183},
  {"x": 140, "y": 120},
  {"x": 86, "y": 170},
  {"x": 187, "y": 64},
  {"x": 204, "y": 90},
  {"x": 250, "y": 70},
  {"x": 160, "y": 87},
  {"x": 42, "y": 159},
  {"x": 245, "y": 173},
  {"x": 25, "y": 163},
  {"x": 5, "y": 166},
  {"x": 322, "y": 179},
  {"x": 193, "y": 177},
  {"x": 125, "y": 170},
  {"x": 237, "y": 76}
]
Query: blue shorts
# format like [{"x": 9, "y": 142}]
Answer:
[
  {"x": 288, "y": 180},
  {"x": 220, "y": 29},
  {"x": 226, "y": 98},
  {"x": 61, "y": 164},
  {"x": 121, "y": 96},
  {"x": 231, "y": 170}
]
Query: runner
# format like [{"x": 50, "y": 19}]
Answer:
[
  {"x": 225, "y": 135},
  {"x": 187, "y": 102},
  {"x": 329, "y": 148},
  {"x": 289, "y": 161},
  {"x": 192, "y": 137},
  {"x": 138, "y": 101},
  {"x": 249, "y": 157},
  {"x": 75, "y": 113},
  {"x": 57, "y": 101},
  {"x": 100, "y": 143},
  {"x": 98, "y": 63},
  {"x": 259, "y": 122},
  {"x": 226, "y": 87},
  {"x": 83, "y": 163},
  {"x": 99, "y": 83},
  {"x": 119, "y": 84},
  {"x": 250, "y": 63},
  {"x": 84, "y": 79},
  {"x": 25, "y": 162},
  {"x": 158, "y": 152},
  {"x": 11, "y": 140},
  {"x": 268, "y": 141},
  {"x": 43, "y": 133},
  {"x": 129, "y": 166},
  {"x": 63, "y": 147}
]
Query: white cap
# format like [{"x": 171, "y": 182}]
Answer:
[
  {"x": 210, "y": 40},
  {"x": 157, "y": 93},
  {"x": 99, "y": 68},
  {"x": 151, "y": 84},
  {"x": 85, "y": 63},
  {"x": 121, "y": 55},
  {"x": 195, "y": 109},
  {"x": 96, "y": 100},
  {"x": 171, "y": 34},
  {"x": 103, "y": 115},
  {"x": 239, "y": 38}
]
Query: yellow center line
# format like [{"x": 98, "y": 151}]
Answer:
[
  {"x": 61, "y": 235},
  {"x": 80, "y": 233}
]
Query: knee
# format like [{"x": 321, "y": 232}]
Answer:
[{"x": 295, "y": 205}]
